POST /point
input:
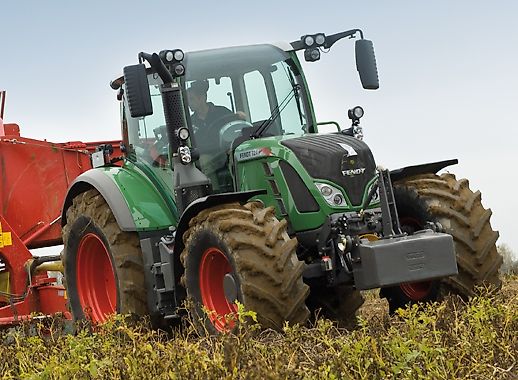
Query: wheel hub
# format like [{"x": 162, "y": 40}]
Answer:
[
  {"x": 218, "y": 289},
  {"x": 230, "y": 288},
  {"x": 96, "y": 285},
  {"x": 417, "y": 291}
]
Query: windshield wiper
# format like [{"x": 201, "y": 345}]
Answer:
[
  {"x": 297, "y": 97},
  {"x": 275, "y": 113}
]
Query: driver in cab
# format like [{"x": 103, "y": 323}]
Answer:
[
  {"x": 204, "y": 113},
  {"x": 207, "y": 120}
]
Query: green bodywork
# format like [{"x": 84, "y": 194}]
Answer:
[
  {"x": 147, "y": 195},
  {"x": 148, "y": 188},
  {"x": 250, "y": 175}
]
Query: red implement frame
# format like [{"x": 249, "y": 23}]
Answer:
[{"x": 34, "y": 178}]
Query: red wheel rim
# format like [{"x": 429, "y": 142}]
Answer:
[
  {"x": 96, "y": 285},
  {"x": 417, "y": 291},
  {"x": 214, "y": 266}
]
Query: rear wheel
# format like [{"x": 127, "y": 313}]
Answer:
[
  {"x": 459, "y": 210},
  {"x": 103, "y": 265},
  {"x": 242, "y": 253}
]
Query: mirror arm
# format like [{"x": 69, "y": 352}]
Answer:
[
  {"x": 330, "y": 40},
  {"x": 156, "y": 64}
]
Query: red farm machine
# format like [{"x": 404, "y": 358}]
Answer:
[{"x": 35, "y": 176}]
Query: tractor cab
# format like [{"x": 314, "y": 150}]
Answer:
[{"x": 230, "y": 94}]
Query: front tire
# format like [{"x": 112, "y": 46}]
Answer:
[
  {"x": 103, "y": 265},
  {"x": 459, "y": 210},
  {"x": 242, "y": 253}
]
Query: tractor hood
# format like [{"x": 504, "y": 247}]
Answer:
[{"x": 337, "y": 158}]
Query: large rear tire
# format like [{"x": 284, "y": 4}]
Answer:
[
  {"x": 459, "y": 210},
  {"x": 242, "y": 253},
  {"x": 103, "y": 265}
]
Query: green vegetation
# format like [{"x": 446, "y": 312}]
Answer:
[{"x": 451, "y": 340}]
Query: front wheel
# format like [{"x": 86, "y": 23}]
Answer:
[
  {"x": 103, "y": 265},
  {"x": 459, "y": 210},
  {"x": 236, "y": 253}
]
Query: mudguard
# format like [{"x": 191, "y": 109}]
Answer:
[
  {"x": 135, "y": 202},
  {"x": 410, "y": 171},
  {"x": 206, "y": 202}
]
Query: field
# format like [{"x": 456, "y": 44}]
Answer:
[{"x": 451, "y": 340}]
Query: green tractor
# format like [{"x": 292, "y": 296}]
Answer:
[{"x": 227, "y": 193}]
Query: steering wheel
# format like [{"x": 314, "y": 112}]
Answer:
[
  {"x": 221, "y": 132},
  {"x": 232, "y": 130},
  {"x": 221, "y": 121}
]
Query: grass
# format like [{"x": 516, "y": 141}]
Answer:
[{"x": 451, "y": 340}]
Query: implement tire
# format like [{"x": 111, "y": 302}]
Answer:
[
  {"x": 104, "y": 271},
  {"x": 242, "y": 253},
  {"x": 459, "y": 210}
]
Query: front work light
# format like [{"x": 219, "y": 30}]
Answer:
[
  {"x": 183, "y": 134},
  {"x": 356, "y": 113},
  {"x": 312, "y": 55}
]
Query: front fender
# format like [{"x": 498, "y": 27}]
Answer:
[
  {"x": 134, "y": 200},
  {"x": 410, "y": 171},
  {"x": 205, "y": 202}
]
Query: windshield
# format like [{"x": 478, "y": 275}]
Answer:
[{"x": 255, "y": 83}]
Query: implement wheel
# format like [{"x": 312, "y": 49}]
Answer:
[
  {"x": 242, "y": 253},
  {"x": 459, "y": 210},
  {"x": 103, "y": 265}
]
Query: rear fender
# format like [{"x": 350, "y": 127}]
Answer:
[
  {"x": 135, "y": 202},
  {"x": 410, "y": 171}
]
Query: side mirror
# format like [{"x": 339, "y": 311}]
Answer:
[
  {"x": 137, "y": 91},
  {"x": 366, "y": 64}
]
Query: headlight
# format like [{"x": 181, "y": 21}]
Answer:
[
  {"x": 331, "y": 194},
  {"x": 338, "y": 199}
]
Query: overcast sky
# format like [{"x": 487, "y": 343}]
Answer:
[{"x": 447, "y": 71}]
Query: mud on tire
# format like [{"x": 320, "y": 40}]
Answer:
[
  {"x": 263, "y": 269},
  {"x": 459, "y": 210},
  {"x": 89, "y": 217}
]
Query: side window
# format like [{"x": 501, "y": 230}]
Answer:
[
  {"x": 257, "y": 96},
  {"x": 150, "y": 125}
]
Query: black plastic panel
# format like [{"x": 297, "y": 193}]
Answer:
[
  {"x": 304, "y": 201},
  {"x": 330, "y": 157}
]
